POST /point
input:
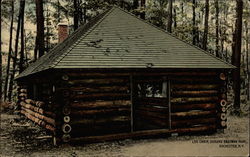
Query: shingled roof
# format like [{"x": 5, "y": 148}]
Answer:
[{"x": 118, "y": 39}]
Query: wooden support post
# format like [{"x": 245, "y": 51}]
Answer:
[
  {"x": 132, "y": 103},
  {"x": 169, "y": 103}
]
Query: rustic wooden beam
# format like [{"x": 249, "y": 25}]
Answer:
[
  {"x": 41, "y": 117},
  {"x": 102, "y": 95},
  {"x": 190, "y": 122},
  {"x": 97, "y": 89},
  {"x": 193, "y": 113},
  {"x": 186, "y": 107},
  {"x": 194, "y": 93},
  {"x": 101, "y": 120},
  {"x": 38, "y": 121},
  {"x": 101, "y": 104},
  {"x": 146, "y": 133},
  {"x": 37, "y": 109},
  {"x": 99, "y": 111},
  {"x": 196, "y": 99},
  {"x": 195, "y": 86}
]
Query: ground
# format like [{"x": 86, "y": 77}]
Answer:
[{"x": 18, "y": 137}]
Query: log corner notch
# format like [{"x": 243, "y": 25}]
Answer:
[{"x": 222, "y": 104}]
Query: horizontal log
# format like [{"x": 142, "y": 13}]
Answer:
[
  {"x": 23, "y": 91},
  {"x": 194, "y": 93},
  {"x": 195, "y": 79},
  {"x": 145, "y": 133},
  {"x": 30, "y": 101},
  {"x": 197, "y": 99},
  {"x": 38, "y": 121},
  {"x": 23, "y": 95},
  {"x": 39, "y": 104},
  {"x": 192, "y": 113},
  {"x": 195, "y": 86},
  {"x": 190, "y": 122},
  {"x": 98, "y": 81},
  {"x": 37, "y": 109},
  {"x": 186, "y": 107},
  {"x": 95, "y": 130},
  {"x": 82, "y": 90},
  {"x": 101, "y": 95},
  {"x": 41, "y": 117},
  {"x": 101, "y": 104},
  {"x": 99, "y": 111},
  {"x": 101, "y": 120}
]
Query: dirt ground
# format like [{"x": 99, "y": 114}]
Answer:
[{"x": 18, "y": 138}]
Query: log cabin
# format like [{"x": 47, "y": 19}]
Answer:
[{"x": 118, "y": 77}]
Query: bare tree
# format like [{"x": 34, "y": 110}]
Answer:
[
  {"x": 143, "y": 5},
  {"x": 21, "y": 61},
  {"x": 40, "y": 27},
  {"x": 206, "y": 25},
  {"x": 170, "y": 16},
  {"x": 1, "y": 51},
  {"x": 237, "y": 53},
  {"x": 247, "y": 60},
  {"x": 194, "y": 31},
  {"x": 216, "y": 2},
  {"x": 76, "y": 11},
  {"x": 6, "y": 83},
  {"x": 21, "y": 13}
]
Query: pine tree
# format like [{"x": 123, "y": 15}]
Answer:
[
  {"x": 6, "y": 83},
  {"x": 40, "y": 27},
  {"x": 237, "y": 54},
  {"x": 14, "y": 68},
  {"x": 206, "y": 25}
]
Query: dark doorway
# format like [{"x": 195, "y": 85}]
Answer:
[{"x": 151, "y": 103}]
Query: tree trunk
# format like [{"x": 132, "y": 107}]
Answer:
[
  {"x": 40, "y": 27},
  {"x": 170, "y": 16},
  {"x": 21, "y": 61},
  {"x": 194, "y": 22},
  {"x": 75, "y": 15},
  {"x": 175, "y": 19},
  {"x": 237, "y": 54},
  {"x": 1, "y": 82},
  {"x": 143, "y": 4},
  {"x": 206, "y": 25},
  {"x": 217, "y": 27},
  {"x": 16, "y": 49},
  {"x": 247, "y": 61},
  {"x": 135, "y": 4},
  {"x": 6, "y": 83}
]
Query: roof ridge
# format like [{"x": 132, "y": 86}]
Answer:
[
  {"x": 173, "y": 36},
  {"x": 105, "y": 13}
]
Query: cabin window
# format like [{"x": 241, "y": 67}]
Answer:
[{"x": 152, "y": 90}]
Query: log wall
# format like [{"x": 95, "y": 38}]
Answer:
[
  {"x": 95, "y": 105},
  {"x": 195, "y": 100}
]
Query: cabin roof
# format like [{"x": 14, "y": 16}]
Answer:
[{"x": 118, "y": 39}]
